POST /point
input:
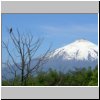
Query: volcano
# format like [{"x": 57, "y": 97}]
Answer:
[{"x": 81, "y": 53}]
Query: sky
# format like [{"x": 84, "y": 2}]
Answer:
[{"x": 57, "y": 30}]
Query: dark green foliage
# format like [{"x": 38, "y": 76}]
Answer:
[
  {"x": 94, "y": 77},
  {"x": 79, "y": 77}
]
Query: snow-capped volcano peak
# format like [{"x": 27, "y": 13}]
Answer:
[
  {"x": 81, "y": 53},
  {"x": 79, "y": 50}
]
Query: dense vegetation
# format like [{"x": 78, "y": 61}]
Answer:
[{"x": 79, "y": 77}]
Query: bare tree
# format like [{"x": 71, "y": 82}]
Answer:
[
  {"x": 26, "y": 49},
  {"x": 10, "y": 70}
]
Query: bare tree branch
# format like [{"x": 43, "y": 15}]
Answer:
[{"x": 26, "y": 49}]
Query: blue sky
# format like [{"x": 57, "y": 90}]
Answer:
[{"x": 56, "y": 29}]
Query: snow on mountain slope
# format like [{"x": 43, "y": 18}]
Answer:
[
  {"x": 81, "y": 53},
  {"x": 79, "y": 50}
]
